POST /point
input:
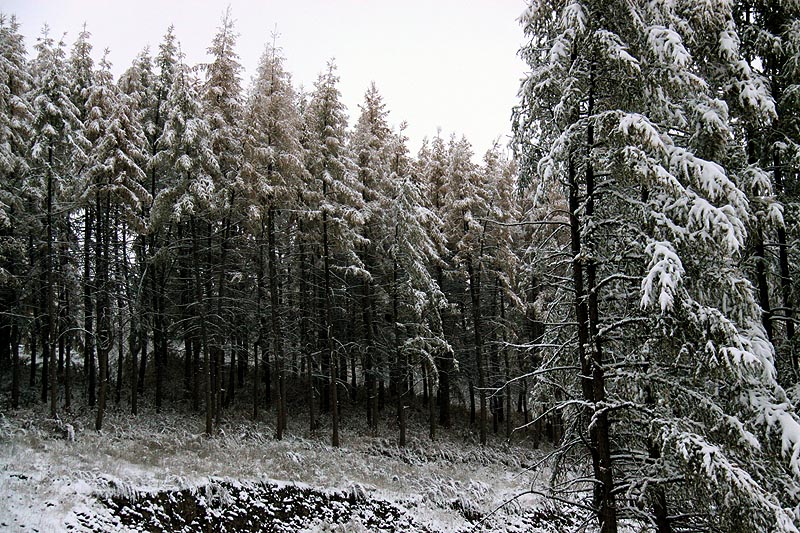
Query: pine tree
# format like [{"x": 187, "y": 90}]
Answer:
[
  {"x": 416, "y": 297},
  {"x": 15, "y": 123},
  {"x": 114, "y": 185},
  {"x": 221, "y": 98},
  {"x": 187, "y": 195},
  {"x": 369, "y": 145},
  {"x": 58, "y": 146},
  {"x": 335, "y": 210},
  {"x": 769, "y": 35},
  {"x": 273, "y": 171},
  {"x": 81, "y": 78},
  {"x": 432, "y": 163},
  {"x": 650, "y": 173}
]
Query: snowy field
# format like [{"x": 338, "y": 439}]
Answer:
[{"x": 158, "y": 473}]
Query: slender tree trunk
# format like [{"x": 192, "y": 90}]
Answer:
[
  {"x": 88, "y": 307},
  {"x": 431, "y": 407},
  {"x": 783, "y": 264},
  {"x": 120, "y": 358},
  {"x": 103, "y": 318},
  {"x": 121, "y": 252},
  {"x": 277, "y": 334},
  {"x": 219, "y": 345},
  {"x": 444, "y": 371},
  {"x": 143, "y": 361},
  {"x": 590, "y": 347},
  {"x": 45, "y": 354},
  {"x": 203, "y": 333},
  {"x": 328, "y": 325},
  {"x": 369, "y": 358},
  {"x": 68, "y": 364},
  {"x": 134, "y": 348},
  {"x": 52, "y": 329},
  {"x": 400, "y": 369},
  {"x": 15, "y": 366},
  {"x": 477, "y": 326},
  {"x": 763, "y": 286}
]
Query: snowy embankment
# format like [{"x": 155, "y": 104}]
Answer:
[{"x": 158, "y": 473}]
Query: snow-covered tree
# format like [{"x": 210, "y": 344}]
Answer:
[
  {"x": 769, "y": 41},
  {"x": 15, "y": 124},
  {"x": 431, "y": 174},
  {"x": 115, "y": 187},
  {"x": 416, "y": 300},
  {"x": 81, "y": 77},
  {"x": 333, "y": 202},
  {"x": 369, "y": 146},
  {"x": 188, "y": 193},
  {"x": 58, "y": 148},
  {"x": 272, "y": 173},
  {"x": 221, "y": 97},
  {"x": 677, "y": 401}
]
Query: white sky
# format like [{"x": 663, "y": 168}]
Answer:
[{"x": 437, "y": 63}]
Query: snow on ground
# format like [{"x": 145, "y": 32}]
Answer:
[{"x": 65, "y": 476}]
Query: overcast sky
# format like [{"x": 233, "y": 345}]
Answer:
[{"x": 438, "y": 63}]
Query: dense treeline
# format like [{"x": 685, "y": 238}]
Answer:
[
  {"x": 170, "y": 237},
  {"x": 174, "y": 239}
]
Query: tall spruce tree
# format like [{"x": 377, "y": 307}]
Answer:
[
  {"x": 335, "y": 208},
  {"x": 622, "y": 115},
  {"x": 58, "y": 148},
  {"x": 272, "y": 173},
  {"x": 15, "y": 123},
  {"x": 187, "y": 198}
]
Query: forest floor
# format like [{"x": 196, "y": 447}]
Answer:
[{"x": 157, "y": 472}]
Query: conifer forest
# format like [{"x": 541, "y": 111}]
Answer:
[{"x": 612, "y": 294}]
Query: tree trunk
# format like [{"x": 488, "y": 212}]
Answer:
[
  {"x": 103, "y": 294},
  {"x": 199, "y": 297},
  {"x": 400, "y": 370},
  {"x": 134, "y": 344},
  {"x": 88, "y": 317},
  {"x": 277, "y": 334},
  {"x": 15, "y": 366},
  {"x": 68, "y": 365},
  {"x": 328, "y": 326},
  {"x": 477, "y": 323},
  {"x": 369, "y": 358},
  {"x": 431, "y": 407},
  {"x": 444, "y": 371},
  {"x": 783, "y": 264},
  {"x": 763, "y": 286},
  {"x": 589, "y": 345},
  {"x": 52, "y": 330}
]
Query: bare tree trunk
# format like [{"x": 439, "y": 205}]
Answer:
[
  {"x": 52, "y": 330},
  {"x": 259, "y": 350},
  {"x": 587, "y": 313},
  {"x": 369, "y": 358},
  {"x": 88, "y": 313},
  {"x": 15, "y": 366},
  {"x": 477, "y": 326},
  {"x": 203, "y": 333},
  {"x": 400, "y": 377},
  {"x": 277, "y": 334},
  {"x": 431, "y": 407},
  {"x": 103, "y": 316},
  {"x": 328, "y": 325},
  {"x": 444, "y": 371},
  {"x": 763, "y": 286}
]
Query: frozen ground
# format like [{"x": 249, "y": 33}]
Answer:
[{"x": 158, "y": 473}]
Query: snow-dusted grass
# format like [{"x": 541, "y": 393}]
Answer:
[{"x": 51, "y": 473}]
